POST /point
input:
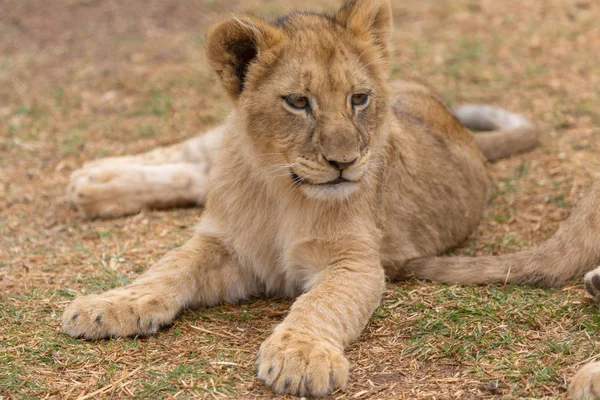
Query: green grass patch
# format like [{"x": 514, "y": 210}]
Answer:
[
  {"x": 159, "y": 104},
  {"x": 491, "y": 325}
]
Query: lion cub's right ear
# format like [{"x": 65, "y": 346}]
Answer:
[{"x": 234, "y": 45}]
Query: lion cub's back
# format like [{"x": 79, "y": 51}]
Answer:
[{"x": 436, "y": 185}]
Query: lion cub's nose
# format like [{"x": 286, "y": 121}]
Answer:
[{"x": 340, "y": 165}]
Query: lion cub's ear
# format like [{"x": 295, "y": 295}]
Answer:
[
  {"x": 233, "y": 45},
  {"x": 369, "y": 20}
]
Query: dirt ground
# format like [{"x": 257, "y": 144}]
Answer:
[{"x": 81, "y": 79}]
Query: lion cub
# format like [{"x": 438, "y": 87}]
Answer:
[{"x": 325, "y": 179}]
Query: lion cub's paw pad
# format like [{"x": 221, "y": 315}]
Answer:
[
  {"x": 296, "y": 364},
  {"x": 592, "y": 283},
  {"x": 586, "y": 383}
]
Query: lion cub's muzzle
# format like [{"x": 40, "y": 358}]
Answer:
[{"x": 328, "y": 178}]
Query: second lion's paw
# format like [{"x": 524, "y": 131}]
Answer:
[
  {"x": 586, "y": 383},
  {"x": 106, "y": 192},
  {"x": 592, "y": 283}
]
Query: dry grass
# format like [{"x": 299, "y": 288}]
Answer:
[{"x": 81, "y": 79}]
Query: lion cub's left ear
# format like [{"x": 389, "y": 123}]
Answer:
[
  {"x": 234, "y": 45},
  {"x": 370, "y": 21}
]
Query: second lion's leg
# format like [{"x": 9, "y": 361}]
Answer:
[
  {"x": 200, "y": 273},
  {"x": 165, "y": 177},
  {"x": 127, "y": 189},
  {"x": 198, "y": 149},
  {"x": 586, "y": 383}
]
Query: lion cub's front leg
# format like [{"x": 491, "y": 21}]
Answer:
[
  {"x": 304, "y": 355},
  {"x": 200, "y": 273}
]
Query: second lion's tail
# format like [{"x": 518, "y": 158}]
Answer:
[
  {"x": 573, "y": 250},
  {"x": 504, "y": 133}
]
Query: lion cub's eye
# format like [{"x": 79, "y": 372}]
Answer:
[
  {"x": 359, "y": 99},
  {"x": 298, "y": 102}
]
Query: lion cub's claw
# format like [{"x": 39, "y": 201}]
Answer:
[
  {"x": 586, "y": 383},
  {"x": 294, "y": 363}
]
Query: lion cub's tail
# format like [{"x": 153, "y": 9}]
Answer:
[
  {"x": 506, "y": 133},
  {"x": 573, "y": 250}
]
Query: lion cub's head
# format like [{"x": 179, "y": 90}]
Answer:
[{"x": 311, "y": 92}]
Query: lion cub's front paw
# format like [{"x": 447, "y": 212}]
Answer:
[
  {"x": 586, "y": 383},
  {"x": 295, "y": 363},
  {"x": 592, "y": 283},
  {"x": 116, "y": 313}
]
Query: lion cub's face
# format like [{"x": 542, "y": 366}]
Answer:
[{"x": 311, "y": 92}]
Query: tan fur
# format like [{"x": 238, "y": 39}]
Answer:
[
  {"x": 586, "y": 383},
  {"x": 416, "y": 186}
]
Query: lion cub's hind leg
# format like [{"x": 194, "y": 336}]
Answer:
[{"x": 166, "y": 177}]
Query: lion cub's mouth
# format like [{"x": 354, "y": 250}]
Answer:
[
  {"x": 299, "y": 181},
  {"x": 339, "y": 188}
]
